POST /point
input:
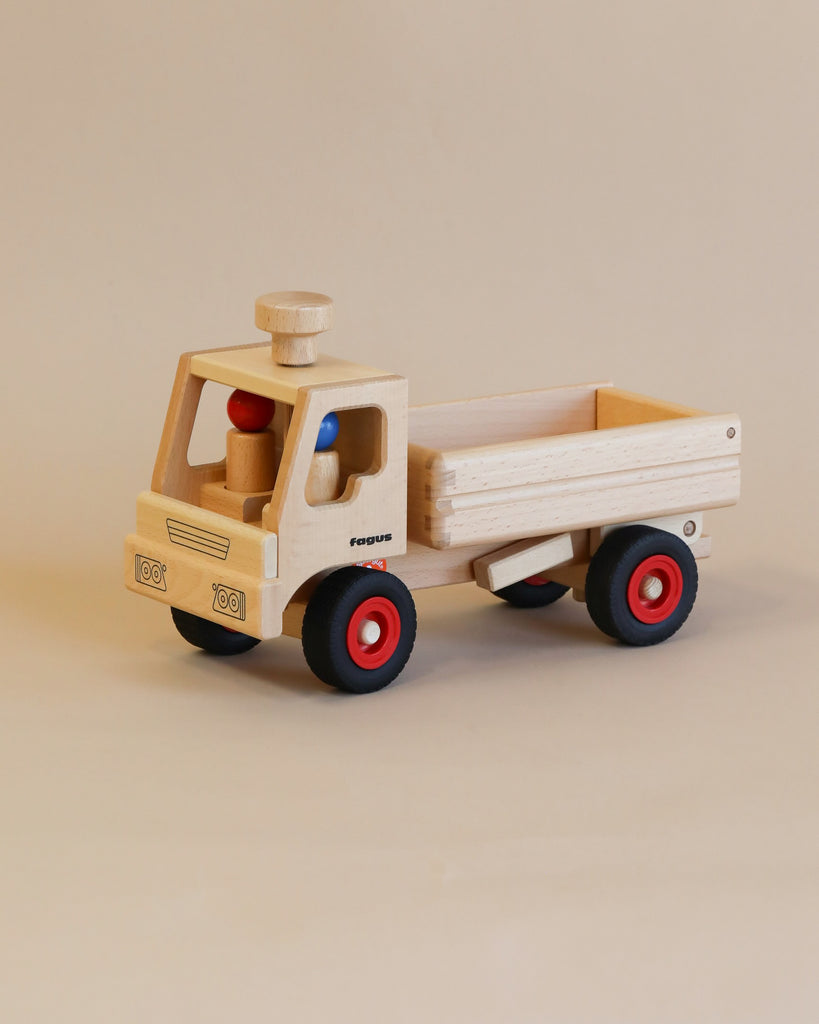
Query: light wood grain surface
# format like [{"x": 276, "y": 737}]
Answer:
[{"x": 532, "y": 825}]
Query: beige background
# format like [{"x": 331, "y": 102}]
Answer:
[{"x": 532, "y": 824}]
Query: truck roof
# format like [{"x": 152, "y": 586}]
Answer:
[{"x": 251, "y": 368}]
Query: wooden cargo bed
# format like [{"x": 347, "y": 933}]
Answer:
[{"x": 542, "y": 462}]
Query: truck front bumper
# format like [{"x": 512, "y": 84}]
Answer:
[
  {"x": 203, "y": 587},
  {"x": 206, "y": 564}
]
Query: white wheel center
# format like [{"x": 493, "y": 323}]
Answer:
[
  {"x": 369, "y": 633},
  {"x": 650, "y": 588}
]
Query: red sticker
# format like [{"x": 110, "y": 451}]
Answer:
[{"x": 377, "y": 563}]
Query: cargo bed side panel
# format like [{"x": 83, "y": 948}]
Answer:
[{"x": 549, "y": 485}]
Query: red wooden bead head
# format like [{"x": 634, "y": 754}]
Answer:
[{"x": 248, "y": 412}]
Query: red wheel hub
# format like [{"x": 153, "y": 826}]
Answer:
[
  {"x": 654, "y": 589},
  {"x": 537, "y": 581},
  {"x": 373, "y": 632}
]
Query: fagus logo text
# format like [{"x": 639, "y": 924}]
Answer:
[{"x": 361, "y": 541}]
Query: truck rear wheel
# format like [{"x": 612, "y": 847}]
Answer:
[
  {"x": 641, "y": 585},
  {"x": 534, "y": 592},
  {"x": 359, "y": 629},
  {"x": 211, "y": 636}
]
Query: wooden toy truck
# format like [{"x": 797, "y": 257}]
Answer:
[{"x": 335, "y": 500}]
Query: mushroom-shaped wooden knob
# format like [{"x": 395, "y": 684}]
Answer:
[{"x": 295, "y": 319}]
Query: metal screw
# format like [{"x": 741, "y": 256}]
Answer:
[
  {"x": 690, "y": 528},
  {"x": 731, "y": 432}
]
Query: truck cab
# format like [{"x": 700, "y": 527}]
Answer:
[{"x": 237, "y": 555}]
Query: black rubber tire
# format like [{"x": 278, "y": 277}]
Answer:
[
  {"x": 532, "y": 595},
  {"x": 611, "y": 570},
  {"x": 329, "y": 612},
  {"x": 211, "y": 636}
]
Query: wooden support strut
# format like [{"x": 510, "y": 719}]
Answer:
[{"x": 521, "y": 560}]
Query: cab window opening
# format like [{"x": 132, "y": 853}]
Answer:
[{"x": 350, "y": 443}]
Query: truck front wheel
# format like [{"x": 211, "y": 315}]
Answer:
[
  {"x": 641, "y": 585},
  {"x": 359, "y": 629},
  {"x": 211, "y": 636}
]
